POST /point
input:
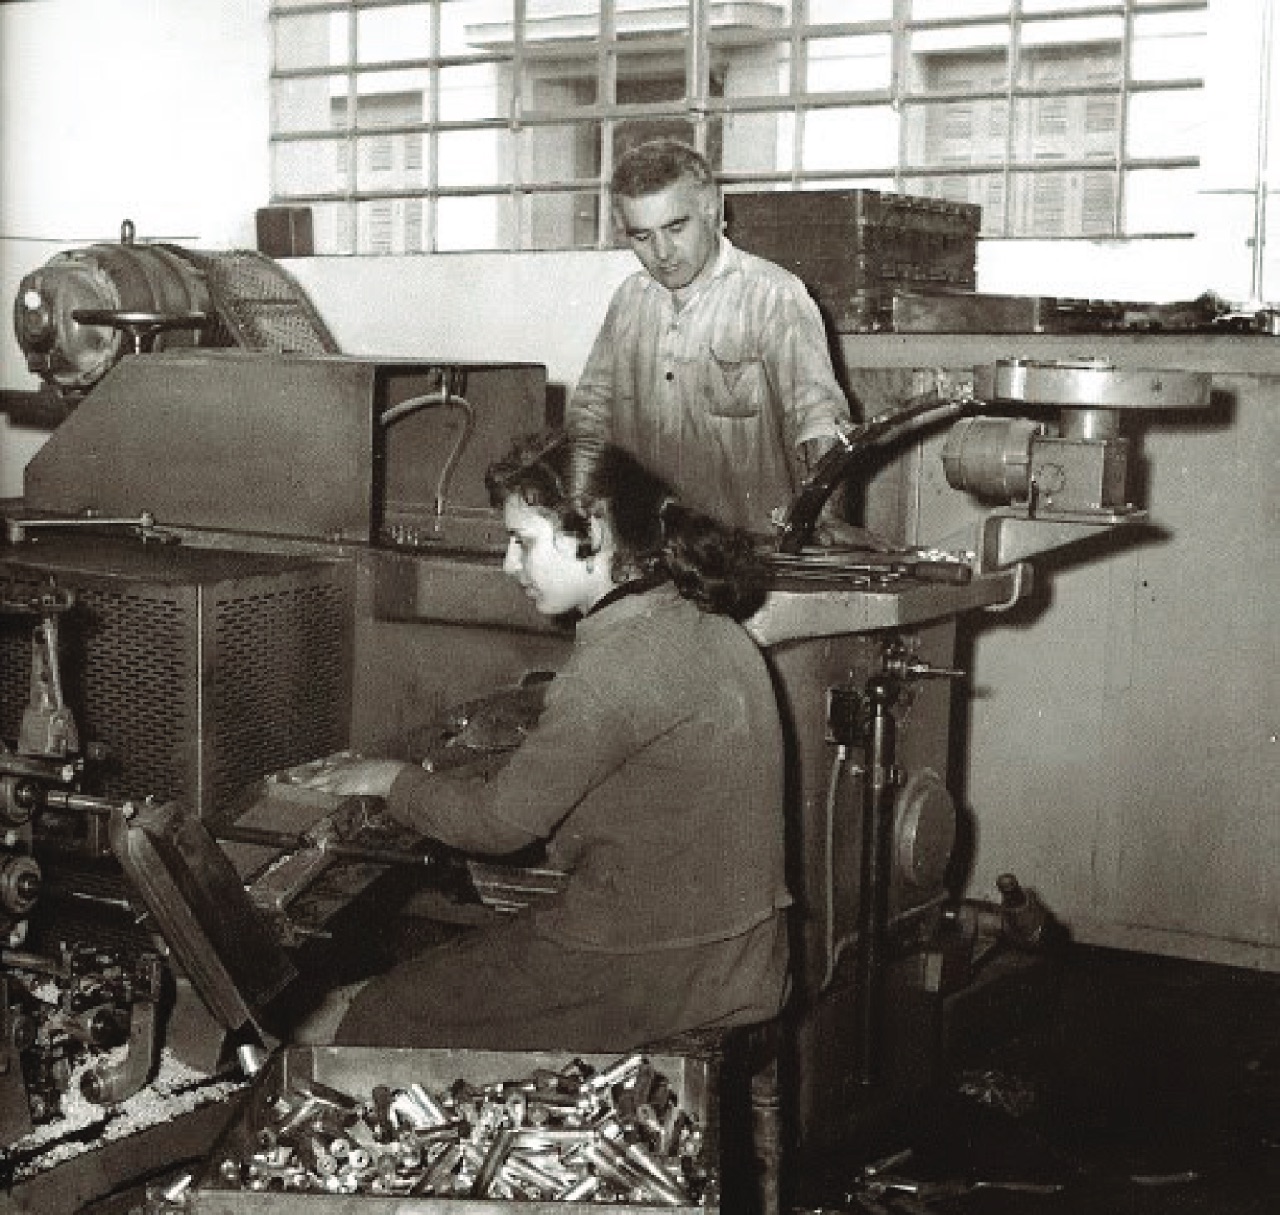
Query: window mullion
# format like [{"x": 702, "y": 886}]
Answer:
[
  {"x": 516, "y": 126},
  {"x": 431, "y": 161},
  {"x": 1122, "y": 120},
  {"x": 607, "y": 96},
  {"x": 1013, "y": 71}
]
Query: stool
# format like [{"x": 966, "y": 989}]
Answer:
[{"x": 745, "y": 1061}]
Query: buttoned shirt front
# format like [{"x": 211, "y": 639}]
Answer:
[{"x": 717, "y": 393}]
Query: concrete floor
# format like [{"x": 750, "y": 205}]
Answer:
[
  {"x": 1148, "y": 1086},
  {"x": 1123, "y": 1083}
]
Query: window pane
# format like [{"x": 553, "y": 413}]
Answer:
[
  {"x": 477, "y": 27},
  {"x": 838, "y": 65},
  {"x": 475, "y": 158},
  {"x": 312, "y": 166},
  {"x": 560, "y": 153},
  {"x": 1066, "y": 128},
  {"x": 563, "y": 221},
  {"x": 984, "y": 189},
  {"x": 389, "y": 225},
  {"x": 1165, "y": 124},
  {"x": 307, "y": 104},
  {"x": 758, "y": 71},
  {"x": 1160, "y": 200},
  {"x": 1062, "y": 204},
  {"x": 1057, "y": 6},
  {"x": 475, "y": 91},
  {"x": 307, "y": 41},
  {"x": 948, "y": 133},
  {"x": 398, "y": 32},
  {"x": 935, "y": 10},
  {"x": 1169, "y": 46},
  {"x": 842, "y": 10},
  {"x": 333, "y": 226},
  {"x": 853, "y": 138},
  {"x": 1054, "y": 50},
  {"x": 758, "y": 143},
  {"x": 1057, "y": 66},
  {"x": 558, "y": 86},
  {"x": 482, "y": 222}
]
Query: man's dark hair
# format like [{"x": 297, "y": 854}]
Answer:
[{"x": 657, "y": 164}]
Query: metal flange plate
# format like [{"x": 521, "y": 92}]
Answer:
[{"x": 1090, "y": 384}]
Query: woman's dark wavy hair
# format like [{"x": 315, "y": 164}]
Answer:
[{"x": 574, "y": 478}]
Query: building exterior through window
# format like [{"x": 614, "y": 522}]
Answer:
[{"x": 436, "y": 125}]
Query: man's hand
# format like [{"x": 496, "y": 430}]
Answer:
[{"x": 830, "y": 531}]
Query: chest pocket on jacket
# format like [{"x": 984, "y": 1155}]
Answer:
[{"x": 735, "y": 382}]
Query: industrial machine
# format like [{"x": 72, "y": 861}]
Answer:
[
  {"x": 253, "y": 560},
  {"x": 76, "y": 316}
]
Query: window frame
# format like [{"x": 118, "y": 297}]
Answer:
[{"x": 704, "y": 109}]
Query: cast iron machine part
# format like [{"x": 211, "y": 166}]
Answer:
[
  {"x": 47, "y": 754},
  {"x": 84, "y": 310},
  {"x": 865, "y": 718},
  {"x": 1067, "y": 479}
]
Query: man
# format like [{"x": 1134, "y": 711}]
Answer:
[{"x": 712, "y": 365}]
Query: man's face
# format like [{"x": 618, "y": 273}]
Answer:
[{"x": 674, "y": 232}]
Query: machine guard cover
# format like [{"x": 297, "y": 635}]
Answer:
[{"x": 191, "y": 889}]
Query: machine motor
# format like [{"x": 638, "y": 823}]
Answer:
[{"x": 76, "y": 316}]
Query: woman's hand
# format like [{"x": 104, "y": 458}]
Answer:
[{"x": 366, "y": 777}]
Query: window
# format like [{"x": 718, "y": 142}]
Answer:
[{"x": 437, "y": 125}]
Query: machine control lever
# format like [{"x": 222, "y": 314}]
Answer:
[
  {"x": 900, "y": 663},
  {"x": 914, "y": 669},
  {"x": 141, "y": 328},
  {"x": 143, "y": 524}
]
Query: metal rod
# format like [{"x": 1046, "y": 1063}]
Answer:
[{"x": 873, "y": 907}]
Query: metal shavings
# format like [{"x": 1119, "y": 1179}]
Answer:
[
  {"x": 176, "y": 1090},
  {"x": 1013, "y": 1095}
]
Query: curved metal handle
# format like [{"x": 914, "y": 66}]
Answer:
[{"x": 918, "y": 412}]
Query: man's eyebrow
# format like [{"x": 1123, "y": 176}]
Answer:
[{"x": 671, "y": 223}]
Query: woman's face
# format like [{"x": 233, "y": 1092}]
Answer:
[{"x": 545, "y": 562}]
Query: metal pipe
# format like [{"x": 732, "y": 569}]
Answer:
[
  {"x": 873, "y": 906},
  {"x": 1265, "y": 56}
]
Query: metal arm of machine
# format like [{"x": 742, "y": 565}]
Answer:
[
  {"x": 143, "y": 525},
  {"x": 853, "y": 443},
  {"x": 1065, "y": 479}
]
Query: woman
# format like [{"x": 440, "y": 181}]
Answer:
[{"x": 654, "y": 775}]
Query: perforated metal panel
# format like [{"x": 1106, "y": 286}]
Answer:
[
  {"x": 199, "y": 671},
  {"x": 259, "y": 303}
]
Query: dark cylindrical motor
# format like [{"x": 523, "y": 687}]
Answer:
[
  {"x": 84, "y": 309},
  {"x": 990, "y": 457},
  {"x": 124, "y": 278}
]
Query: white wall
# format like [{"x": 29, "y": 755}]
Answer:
[
  {"x": 539, "y": 307},
  {"x": 151, "y": 110}
]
